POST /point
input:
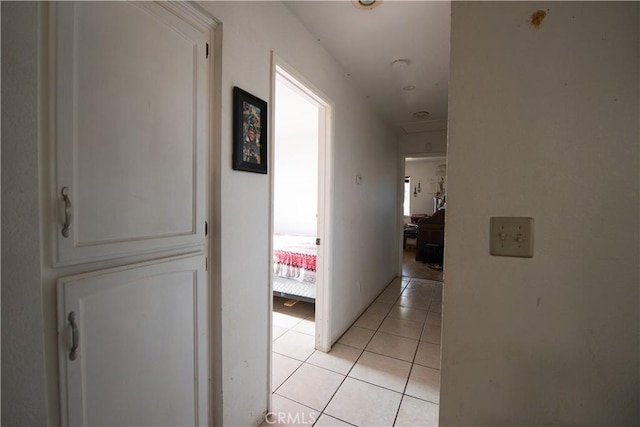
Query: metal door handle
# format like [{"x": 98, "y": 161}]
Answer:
[
  {"x": 75, "y": 336},
  {"x": 67, "y": 211}
]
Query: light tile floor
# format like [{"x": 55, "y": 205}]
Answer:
[{"x": 384, "y": 371}]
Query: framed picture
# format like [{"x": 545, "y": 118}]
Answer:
[{"x": 249, "y": 132}]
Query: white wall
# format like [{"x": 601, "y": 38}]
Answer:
[
  {"x": 364, "y": 215},
  {"x": 423, "y": 171},
  {"x": 543, "y": 123},
  {"x": 424, "y": 142},
  {"x": 23, "y": 381},
  {"x": 295, "y": 160}
]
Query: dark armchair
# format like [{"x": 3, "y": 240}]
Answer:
[{"x": 430, "y": 240}]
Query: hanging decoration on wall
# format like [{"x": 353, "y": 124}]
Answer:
[
  {"x": 415, "y": 191},
  {"x": 249, "y": 132},
  {"x": 419, "y": 190}
]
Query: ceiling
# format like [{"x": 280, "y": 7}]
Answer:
[{"x": 367, "y": 41}]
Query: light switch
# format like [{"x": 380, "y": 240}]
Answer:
[
  {"x": 511, "y": 236},
  {"x": 358, "y": 179}
]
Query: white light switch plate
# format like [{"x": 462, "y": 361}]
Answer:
[{"x": 511, "y": 236}]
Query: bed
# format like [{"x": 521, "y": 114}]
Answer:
[{"x": 294, "y": 267}]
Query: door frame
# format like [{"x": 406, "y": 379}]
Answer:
[{"x": 325, "y": 191}]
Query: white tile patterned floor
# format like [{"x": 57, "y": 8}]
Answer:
[{"x": 384, "y": 371}]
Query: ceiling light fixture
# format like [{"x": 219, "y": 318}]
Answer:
[
  {"x": 398, "y": 64},
  {"x": 409, "y": 88},
  {"x": 366, "y": 4},
  {"x": 421, "y": 114}
]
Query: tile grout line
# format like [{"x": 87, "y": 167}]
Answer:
[
  {"x": 413, "y": 362},
  {"x": 363, "y": 349},
  {"x": 341, "y": 382},
  {"x": 395, "y": 419},
  {"x": 403, "y": 288},
  {"x": 306, "y": 361},
  {"x": 424, "y": 325},
  {"x": 352, "y": 366},
  {"x": 303, "y": 362}
]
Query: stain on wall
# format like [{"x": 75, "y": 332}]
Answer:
[{"x": 536, "y": 18}]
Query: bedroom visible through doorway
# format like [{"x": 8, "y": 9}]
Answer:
[
  {"x": 300, "y": 224},
  {"x": 295, "y": 195}
]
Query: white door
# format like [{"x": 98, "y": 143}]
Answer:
[
  {"x": 133, "y": 345},
  {"x": 130, "y": 97}
]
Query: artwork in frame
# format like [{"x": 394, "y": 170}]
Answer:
[{"x": 249, "y": 132}]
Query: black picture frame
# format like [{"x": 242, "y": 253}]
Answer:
[{"x": 249, "y": 132}]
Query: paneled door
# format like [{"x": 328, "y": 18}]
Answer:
[
  {"x": 133, "y": 345},
  {"x": 129, "y": 97},
  {"x": 130, "y": 108}
]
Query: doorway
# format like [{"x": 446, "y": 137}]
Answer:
[
  {"x": 301, "y": 188},
  {"x": 423, "y": 180}
]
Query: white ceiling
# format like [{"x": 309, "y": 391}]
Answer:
[{"x": 366, "y": 42}]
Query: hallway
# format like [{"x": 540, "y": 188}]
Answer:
[{"x": 385, "y": 370}]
